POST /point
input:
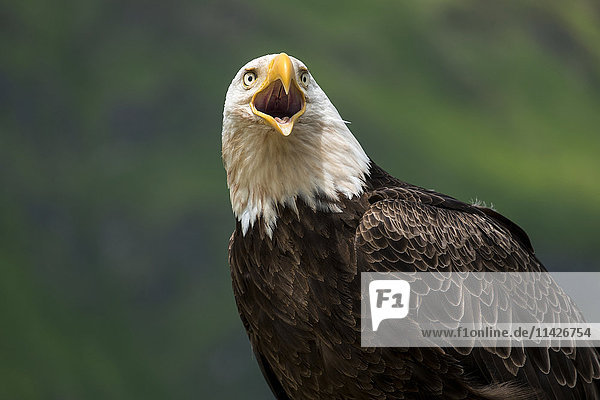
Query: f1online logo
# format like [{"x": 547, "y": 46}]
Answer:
[{"x": 389, "y": 300}]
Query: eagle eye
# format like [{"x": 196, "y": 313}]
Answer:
[
  {"x": 304, "y": 78},
  {"x": 249, "y": 79}
]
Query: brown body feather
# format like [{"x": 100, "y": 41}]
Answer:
[{"x": 298, "y": 294}]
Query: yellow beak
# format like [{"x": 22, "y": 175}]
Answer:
[
  {"x": 279, "y": 100},
  {"x": 281, "y": 68}
]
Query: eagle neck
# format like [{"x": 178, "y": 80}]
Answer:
[{"x": 266, "y": 172}]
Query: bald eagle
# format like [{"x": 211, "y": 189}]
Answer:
[{"x": 313, "y": 211}]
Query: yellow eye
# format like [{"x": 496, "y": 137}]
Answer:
[
  {"x": 305, "y": 78},
  {"x": 249, "y": 78}
]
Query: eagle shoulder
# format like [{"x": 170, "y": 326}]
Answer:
[{"x": 419, "y": 229}]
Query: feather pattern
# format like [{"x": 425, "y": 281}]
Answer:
[{"x": 298, "y": 293}]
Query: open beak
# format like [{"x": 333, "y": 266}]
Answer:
[{"x": 279, "y": 100}]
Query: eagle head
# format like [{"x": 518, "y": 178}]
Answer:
[{"x": 283, "y": 141}]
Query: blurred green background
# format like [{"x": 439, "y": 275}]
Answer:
[{"x": 115, "y": 213}]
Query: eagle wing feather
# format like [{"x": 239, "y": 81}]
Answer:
[{"x": 409, "y": 229}]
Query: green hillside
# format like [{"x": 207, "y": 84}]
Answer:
[{"x": 115, "y": 215}]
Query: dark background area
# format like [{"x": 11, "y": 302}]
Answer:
[{"x": 115, "y": 214}]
